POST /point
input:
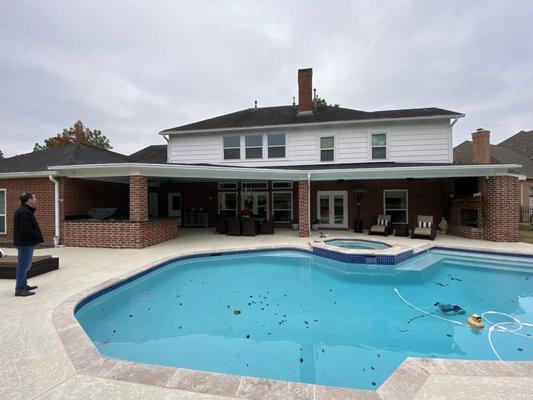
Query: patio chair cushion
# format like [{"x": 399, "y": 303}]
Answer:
[
  {"x": 424, "y": 224},
  {"x": 422, "y": 231},
  {"x": 383, "y": 222},
  {"x": 378, "y": 228}
]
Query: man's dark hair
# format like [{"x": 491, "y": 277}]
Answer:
[{"x": 24, "y": 197}]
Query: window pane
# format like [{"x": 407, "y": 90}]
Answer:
[
  {"x": 327, "y": 142},
  {"x": 379, "y": 153},
  {"x": 276, "y": 152},
  {"x": 227, "y": 185},
  {"x": 2, "y": 224},
  {"x": 255, "y": 185},
  {"x": 379, "y": 139},
  {"x": 281, "y": 184},
  {"x": 282, "y": 201},
  {"x": 282, "y": 215},
  {"x": 326, "y": 155},
  {"x": 254, "y": 152},
  {"x": 227, "y": 201},
  {"x": 277, "y": 139},
  {"x": 395, "y": 199},
  {"x": 253, "y": 141},
  {"x": 232, "y": 154},
  {"x": 232, "y": 141},
  {"x": 2, "y": 202},
  {"x": 398, "y": 216},
  {"x": 176, "y": 203}
]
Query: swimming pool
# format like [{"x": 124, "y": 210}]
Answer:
[
  {"x": 291, "y": 315},
  {"x": 357, "y": 244}
]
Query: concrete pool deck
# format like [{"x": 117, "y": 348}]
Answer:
[{"x": 35, "y": 364}]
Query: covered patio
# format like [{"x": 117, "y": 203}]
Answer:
[{"x": 154, "y": 201}]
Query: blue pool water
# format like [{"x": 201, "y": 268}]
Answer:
[
  {"x": 357, "y": 244},
  {"x": 294, "y": 316}
]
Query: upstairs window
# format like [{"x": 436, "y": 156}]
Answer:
[
  {"x": 232, "y": 148},
  {"x": 379, "y": 146},
  {"x": 3, "y": 202},
  {"x": 254, "y": 146},
  {"x": 327, "y": 148},
  {"x": 276, "y": 145}
]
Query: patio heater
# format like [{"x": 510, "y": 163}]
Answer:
[{"x": 358, "y": 225}]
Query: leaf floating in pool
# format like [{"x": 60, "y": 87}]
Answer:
[
  {"x": 402, "y": 328},
  {"x": 247, "y": 365},
  {"x": 114, "y": 331},
  {"x": 236, "y": 311},
  {"x": 131, "y": 315},
  {"x": 379, "y": 355},
  {"x": 105, "y": 341},
  {"x": 179, "y": 327},
  {"x": 247, "y": 336},
  {"x": 373, "y": 383},
  {"x": 305, "y": 322},
  {"x": 301, "y": 360},
  {"x": 249, "y": 304},
  {"x": 372, "y": 368},
  {"x": 440, "y": 284},
  {"x": 448, "y": 335},
  {"x": 519, "y": 349},
  {"x": 322, "y": 350},
  {"x": 330, "y": 290},
  {"x": 270, "y": 333},
  {"x": 262, "y": 309},
  {"x": 227, "y": 306}
]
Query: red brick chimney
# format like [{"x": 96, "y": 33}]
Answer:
[
  {"x": 305, "y": 90},
  {"x": 481, "y": 146}
]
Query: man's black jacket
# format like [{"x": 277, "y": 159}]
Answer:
[{"x": 26, "y": 231}]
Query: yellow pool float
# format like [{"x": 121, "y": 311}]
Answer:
[{"x": 475, "y": 321}]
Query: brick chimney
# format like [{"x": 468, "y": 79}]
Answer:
[
  {"x": 481, "y": 146},
  {"x": 305, "y": 90}
]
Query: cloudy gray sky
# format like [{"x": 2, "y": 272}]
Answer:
[{"x": 133, "y": 68}]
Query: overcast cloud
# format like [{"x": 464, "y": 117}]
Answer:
[{"x": 134, "y": 68}]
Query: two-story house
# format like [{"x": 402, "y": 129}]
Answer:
[{"x": 303, "y": 162}]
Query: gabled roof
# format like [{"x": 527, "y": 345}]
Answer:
[
  {"x": 155, "y": 154},
  {"x": 70, "y": 154},
  {"x": 288, "y": 115},
  {"x": 522, "y": 142},
  {"x": 462, "y": 154}
]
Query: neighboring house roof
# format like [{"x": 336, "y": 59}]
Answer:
[
  {"x": 462, "y": 154},
  {"x": 155, "y": 154},
  {"x": 70, "y": 154},
  {"x": 522, "y": 142},
  {"x": 287, "y": 115}
]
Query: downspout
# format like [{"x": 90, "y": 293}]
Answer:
[{"x": 56, "y": 210}]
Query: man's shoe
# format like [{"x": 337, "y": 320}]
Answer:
[
  {"x": 23, "y": 293},
  {"x": 31, "y": 287}
]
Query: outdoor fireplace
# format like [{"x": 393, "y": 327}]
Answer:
[{"x": 469, "y": 218}]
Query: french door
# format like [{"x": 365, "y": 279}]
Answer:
[{"x": 332, "y": 209}]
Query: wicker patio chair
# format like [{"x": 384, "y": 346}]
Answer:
[
  {"x": 248, "y": 226},
  {"x": 221, "y": 226},
  {"x": 382, "y": 227},
  {"x": 233, "y": 227},
  {"x": 267, "y": 227},
  {"x": 425, "y": 228}
]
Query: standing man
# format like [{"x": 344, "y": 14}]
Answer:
[{"x": 26, "y": 235}]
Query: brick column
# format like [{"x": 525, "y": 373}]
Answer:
[
  {"x": 303, "y": 208},
  {"x": 501, "y": 208},
  {"x": 138, "y": 198}
]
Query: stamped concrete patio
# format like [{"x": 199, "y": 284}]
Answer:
[{"x": 35, "y": 365}]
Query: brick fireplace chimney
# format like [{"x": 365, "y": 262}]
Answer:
[
  {"x": 305, "y": 90},
  {"x": 481, "y": 146}
]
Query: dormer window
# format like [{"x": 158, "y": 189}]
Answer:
[
  {"x": 232, "y": 148},
  {"x": 276, "y": 145},
  {"x": 254, "y": 146},
  {"x": 378, "y": 146}
]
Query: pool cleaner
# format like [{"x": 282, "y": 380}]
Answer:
[{"x": 475, "y": 321}]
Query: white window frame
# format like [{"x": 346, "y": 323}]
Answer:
[
  {"x": 370, "y": 147},
  {"x": 254, "y": 189},
  {"x": 228, "y": 209},
  {"x": 398, "y": 209},
  {"x": 283, "y": 209},
  {"x": 268, "y": 147},
  {"x": 334, "y": 148},
  {"x": 233, "y": 187},
  {"x": 254, "y": 147},
  {"x": 231, "y": 148},
  {"x": 3, "y": 212},
  {"x": 281, "y": 187}
]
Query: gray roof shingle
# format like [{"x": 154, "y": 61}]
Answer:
[
  {"x": 287, "y": 115},
  {"x": 154, "y": 154},
  {"x": 70, "y": 154}
]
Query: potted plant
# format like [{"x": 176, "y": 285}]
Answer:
[
  {"x": 246, "y": 212},
  {"x": 294, "y": 223},
  {"x": 314, "y": 224}
]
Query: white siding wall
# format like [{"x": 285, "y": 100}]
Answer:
[{"x": 414, "y": 141}]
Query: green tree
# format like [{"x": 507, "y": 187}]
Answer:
[
  {"x": 1, "y": 155},
  {"x": 320, "y": 102},
  {"x": 76, "y": 133}
]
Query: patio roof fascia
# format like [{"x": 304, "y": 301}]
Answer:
[
  {"x": 308, "y": 124},
  {"x": 224, "y": 172},
  {"x": 28, "y": 174}
]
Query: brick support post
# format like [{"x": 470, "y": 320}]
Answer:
[
  {"x": 138, "y": 198},
  {"x": 501, "y": 209},
  {"x": 303, "y": 208}
]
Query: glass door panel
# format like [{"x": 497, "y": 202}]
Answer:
[
  {"x": 323, "y": 201},
  {"x": 338, "y": 210},
  {"x": 332, "y": 209}
]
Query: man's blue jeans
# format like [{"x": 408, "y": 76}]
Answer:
[{"x": 24, "y": 265}]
